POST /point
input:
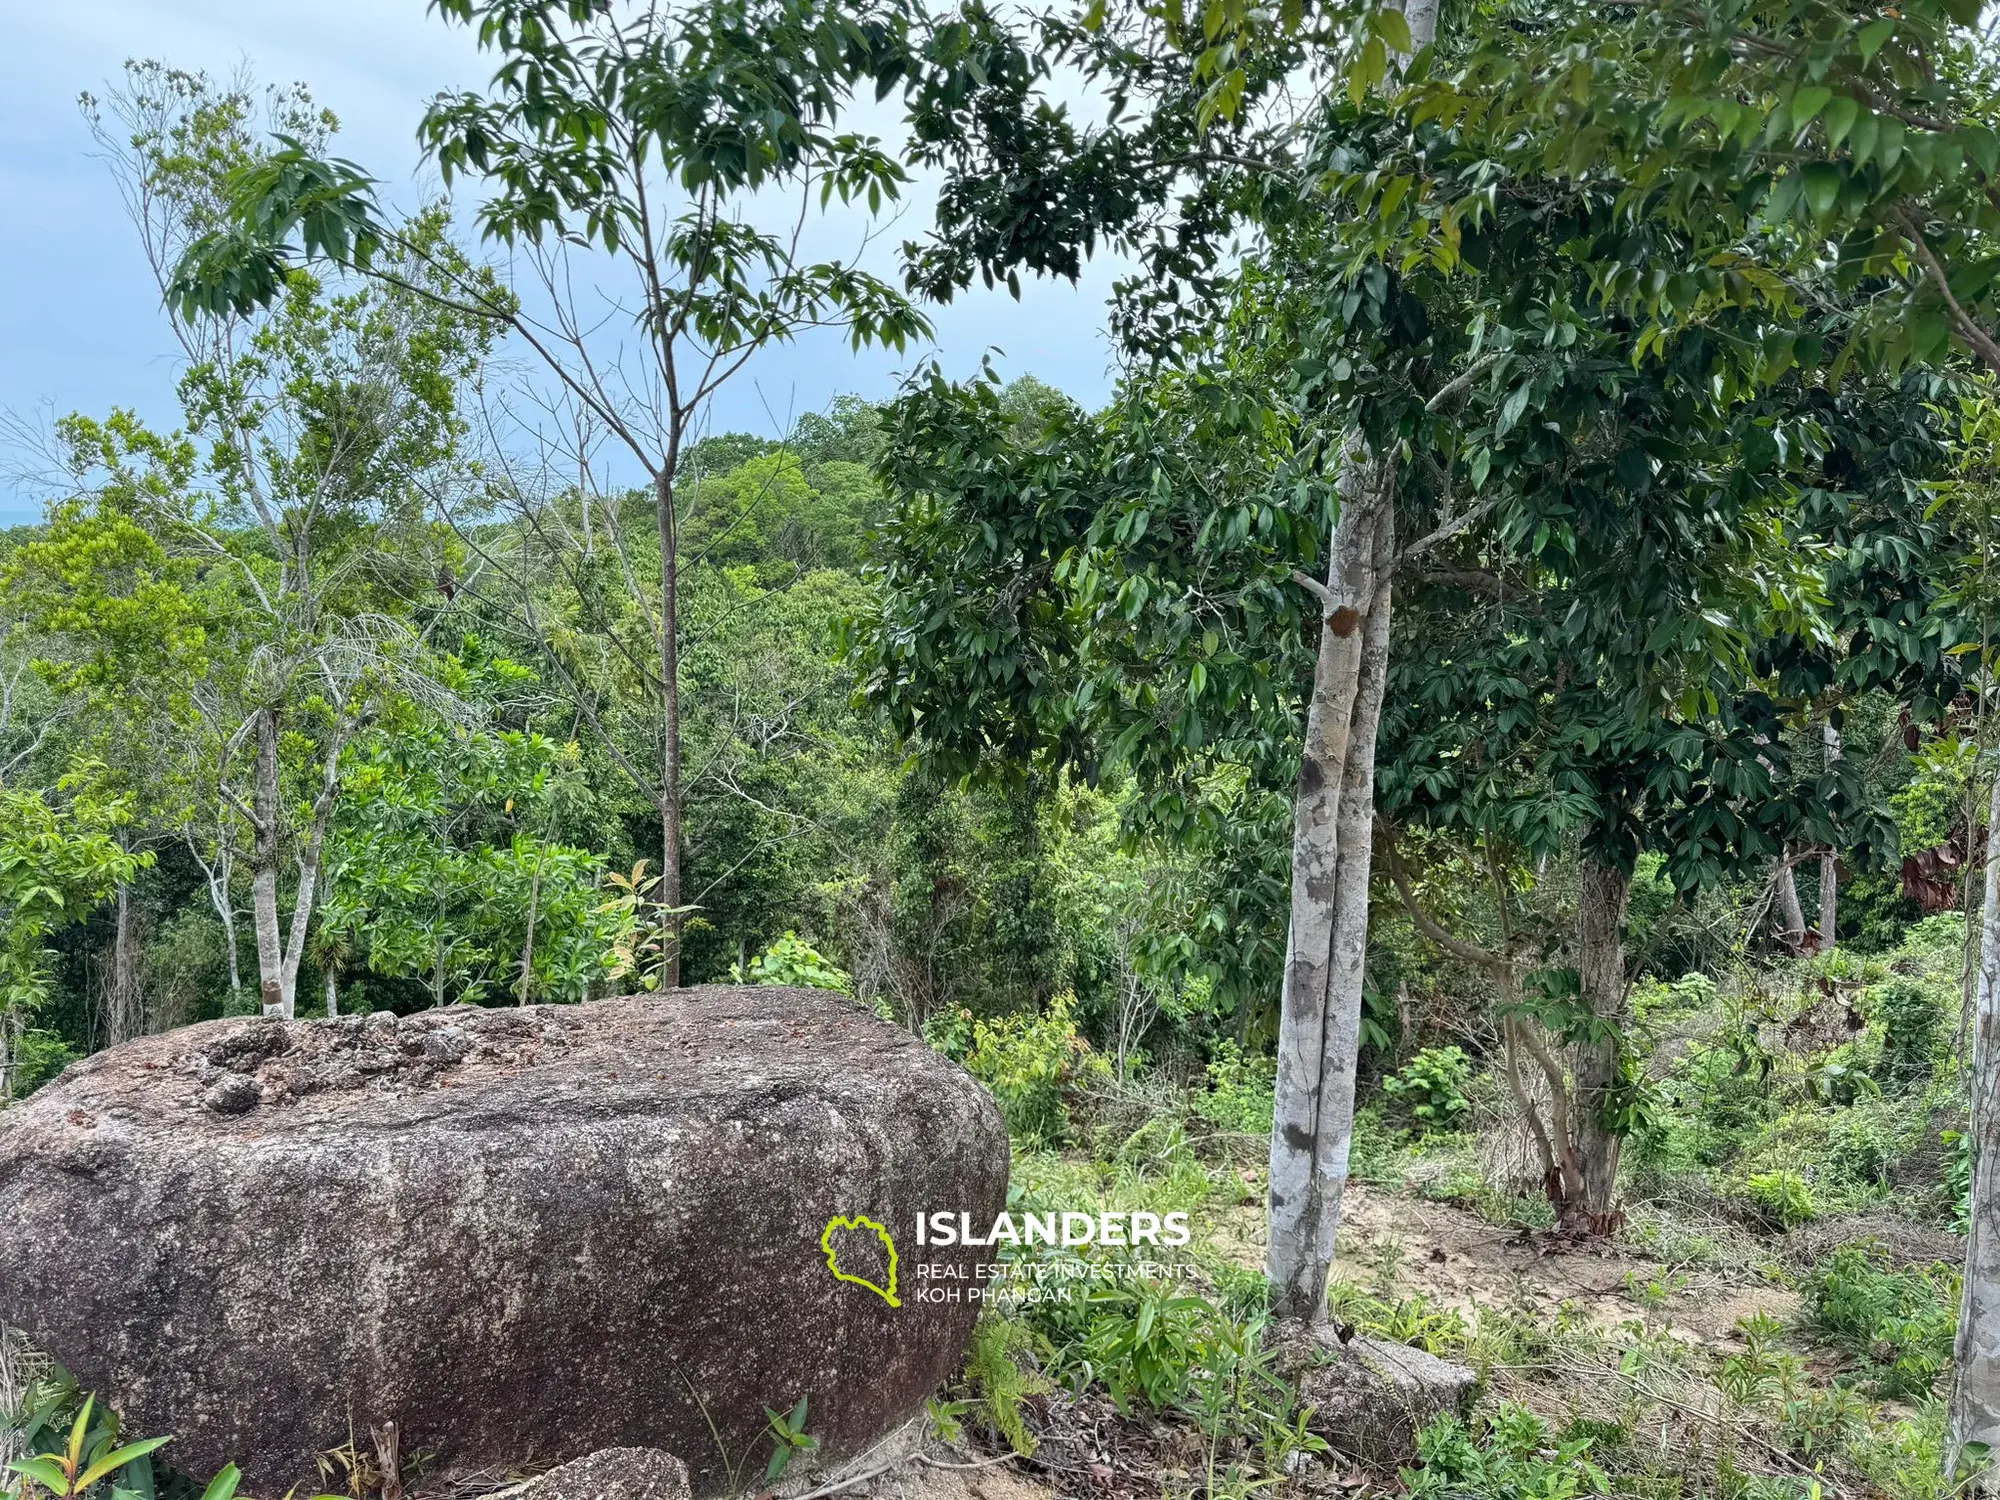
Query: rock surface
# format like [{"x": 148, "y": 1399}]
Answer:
[
  {"x": 611, "y": 1474},
  {"x": 1369, "y": 1397},
  {"x": 522, "y": 1235}
]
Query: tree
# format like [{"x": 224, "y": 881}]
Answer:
[
  {"x": 56, "y": 860},
  {"x": 628, "y": 145},
  {"x": 322, "y": 432},
  {"x": 1420, "y": 340},
  {"x": 441, "y": 868},
  {"x": 1868, "y": 135}
]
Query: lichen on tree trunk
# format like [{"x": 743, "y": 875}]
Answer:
[{"x": 1320, "y": 1020}]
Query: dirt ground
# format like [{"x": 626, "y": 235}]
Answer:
[{"x": 1398, "y": 1245}]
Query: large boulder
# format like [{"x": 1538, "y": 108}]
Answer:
[{"x": 519, "y": 1235}]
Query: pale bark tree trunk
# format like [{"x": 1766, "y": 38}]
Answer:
[
  {"x": 1790, "y": 912},
  {"x": 1319, "y": 1026},
  {"x": 1423, "y": 18},
  {"x": 1320, "y": 1014},
  {"x": 279, "y": 953},
  {"x": 218, "y": 876},
  {"x": 670, "y": 748},
  {"x": 1975, "y": 1393},
  {"x": 13, "y": 1026},
  {"x": 528, "y": 946},
  {"x": 1600, "y": 942},
  {"x": 332, "y": 992},
  {"x": 264, "y": 869},
  {"x": 1829, "y": 862}
]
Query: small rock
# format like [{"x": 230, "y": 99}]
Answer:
[
  {"x": 612, "y": 1474},
  {"x": 1370, "y": 1398},
  {"x": 235, "y": 1094}
]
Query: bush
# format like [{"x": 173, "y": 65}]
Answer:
[
  {"x": 791, "y": 960},
  {"x": 1430, "y": 1088},
  {"x": 1781, "y": 1199},
  {"x": 38, "y": 1057},
  {"x": 1511, "y": 1455},
  {"x": 1902, "y": 1322},
  {"x": 1910, "y": 1019},
  {"x": 1001, "y": 1372},
  {"x": 1031, "y": 1062},
  {"x": 1241, "y": 1091}
]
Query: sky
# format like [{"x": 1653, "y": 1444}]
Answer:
[{"x": 80, "y": 323}]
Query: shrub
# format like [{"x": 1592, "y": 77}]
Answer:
[
  {"x": 1511, "y": 1455},
  {"x": 1240, "y": 1091},
  {"x": 1910, "y": 1020},
  {"x": 1030, "y": 1062},
  {"x": 791, "y": 960},
  {"x": 1901, "y": 1321},
  {"x": 1001, "y": 1371},
  {"x": 1781, "y": 1199},
  {"x": 38, "y": 1057},
  {"x": 1430, "y": 1088}
]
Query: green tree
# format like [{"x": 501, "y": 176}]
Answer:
[
  {"x": 301, "y": 499},
  {"x": 57, "y": 859},
  {"x": 441, "y": 868},
  {"x": 634, "y": 145}
]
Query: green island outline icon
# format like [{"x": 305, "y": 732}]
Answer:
[{"x": 860, "y": 1221}]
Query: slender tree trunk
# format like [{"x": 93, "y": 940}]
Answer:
[
  {"x": 264, "y": 869},
  {"x": 1975, "y": 1393},
  {"x": 124, "y": 1010},
  {"x": 1829, "y": 862},
  {"x": 1319, "y": 1023},
  {"x": 332, "y": 991},
  {"x": 225, "y": 908},
  {"x": 220, "y": 878},
  {"x": 279, "y": 954},
  {"x": 1600, "y": 942},
  {"x": 670, "y": 738},
  {"x": 1789, "y": 911},
  {"x": 528, "y": 946}
]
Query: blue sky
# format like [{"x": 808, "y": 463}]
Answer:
[{"x": 79, "y": 322}]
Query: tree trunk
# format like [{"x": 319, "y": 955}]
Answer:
[
  {"x": 1789, "y": 911},
  {"x": 332, "y": 991},
  {"x": 124, "y": 1007},
  {"x": 1600, "y": 943},
  {"x": 218, "y": 876},
  {"x": 13, "y": 1028},
  {"x": 1422, "y": 16},
  {"x": 1320, "y": 1015},
  {"x": 670, "y": 748},
  {"x": 1829, "y": 863},
  {"x": 1975, "y": 1394},
  {"x": 264, "y": 869},
  {"x": 279, "y": 954}
]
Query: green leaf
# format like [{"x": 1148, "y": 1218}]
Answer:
[
  {"x": 45, "y": 1472},
  {"x": 1393, "y": 27},
  {"x": 116, "y": 1460},
  {"x": 1840, "y": 116},
  {"x": 1874, "y": 35},
  {"x": 1806, "y": 105},
  {"x": 1822, "y": 186},
  {"x": 223, "y": 1486}
]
